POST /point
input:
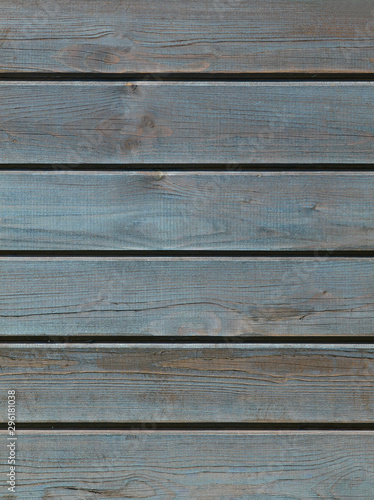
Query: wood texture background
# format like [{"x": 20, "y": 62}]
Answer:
[
  {"x": 185, "y": 383},
  {"x": 185, "y": 465},
  {"x": 155, "y": 210},
  {"x": 186, "y": 122},
  {"x": 211, "y": 87},
  {"x": 221, "y": 297},
  {"x": 171, "y": 37}
]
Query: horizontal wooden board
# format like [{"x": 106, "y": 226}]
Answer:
[
  {"x": 180, "y": 122},
  {"x": 186, "y": 210},
  {"x": 189, "y": 383},
  {"x": 185, "y": 465},
  {"x": 187, "y": 36},
  {"x": 187, "y": 296}
]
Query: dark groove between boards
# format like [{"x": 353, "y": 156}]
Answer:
[
  {"x": 187, "y": 77},
  {"x": 318, "y": 253},
  {"x": 195, "y": 340},
  {"x": 203, "y": 426},
  {"x": 213, "y": 168}
]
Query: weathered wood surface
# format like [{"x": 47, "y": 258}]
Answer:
[
  {"x": 187, "y": 36},
  {"x": 171, "y": 122},
  {"x": 184, "y": 465},
  {"x": 186, "y": 210},
  {"x": 190, "y": 383},
  {"x": 187, "y": 296}
]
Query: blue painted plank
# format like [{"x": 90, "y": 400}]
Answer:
[
  {"x": 217, "y": 36},
  {"x": 178, "y": 123},
  {"x": 180, "y": 383},
  {"x": 184, "y": 465},
  {"x": 163, "y": 210},
  {"x": 222, "y": 297}
]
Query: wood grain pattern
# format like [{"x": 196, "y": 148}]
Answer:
[
  {"x": 198, "y": 122},
  {"x": 187, "y": 36},
  {"x": 190, "y": 383},
  {"x": 187, "y": 296},
  {"x": 186, "y": 210},
  {"x": 204, "y": 465}
]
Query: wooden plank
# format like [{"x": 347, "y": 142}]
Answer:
[
  {"x": 187, "y": 296},
  {"x": 184, "y": 465},
  {"x": 181, "y": 122},
  {"x": 239, "y": 383},
  {"x": 186, "y": 210},
  {"x": 187, "y": 36}
]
